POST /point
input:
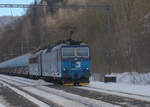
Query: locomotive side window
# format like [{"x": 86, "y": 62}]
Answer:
[
  {"x": 83, "y": 52},
  {"x": 68, "y": 52},
  {"x": 33, "y": 60}
]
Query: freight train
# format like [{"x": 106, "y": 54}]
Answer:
[{"x": 66, "y": 63}]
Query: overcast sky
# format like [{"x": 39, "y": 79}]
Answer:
[{"x": 13, "y": 11}]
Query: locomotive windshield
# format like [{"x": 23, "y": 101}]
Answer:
[
  {"x": 83, "y": 52},
  {"x": 72, "y": 52},
  {"x": 68, "y": 52}
]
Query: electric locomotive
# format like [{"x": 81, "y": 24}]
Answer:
[
  {"x": 65, "y": 63},
  {"x": 75, "y": 64}
]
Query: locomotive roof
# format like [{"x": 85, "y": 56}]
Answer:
[{"x": 59, "y": 44}]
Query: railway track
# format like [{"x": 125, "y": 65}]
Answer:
[
  {"x": 120, "y": 93},
  {"x": 127, "y": 99},
  {"x": 40, "y": 94},
  {"x": 90, "y": 96},
  {"x": 52, "y": 96},
  {"x": 17, "y": 88},
  {"x": 106, "y": 97}
]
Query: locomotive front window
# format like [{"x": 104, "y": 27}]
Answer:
[
  {"x": 68, "y": 52},
  {"x": 83, "y": 52}
]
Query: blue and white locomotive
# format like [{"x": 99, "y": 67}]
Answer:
[
  {"x": 67, "y": 63},
  {"x": 64, "y": 63}
]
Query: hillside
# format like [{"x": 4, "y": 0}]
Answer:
[
  {"x": 130, "y": 32},
  {"x": 5, "y": 20}
]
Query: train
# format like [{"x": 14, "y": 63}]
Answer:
[{"x": 66, "y": 63}]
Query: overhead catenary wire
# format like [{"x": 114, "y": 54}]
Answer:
[{"x": 47, "y": 6}]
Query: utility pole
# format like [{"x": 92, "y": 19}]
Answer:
[
  {"x": 109, "y": 51},
  {"x": 109, "y": 77},
  {"x": 42, "y": 26},
  {"x": 22, "y": 47},
  {"x": 35, "y": 2}
]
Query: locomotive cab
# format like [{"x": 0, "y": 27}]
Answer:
[{"x": 76, "y": 64}]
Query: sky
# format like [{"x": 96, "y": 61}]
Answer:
[{"x": 13, "y": 11}]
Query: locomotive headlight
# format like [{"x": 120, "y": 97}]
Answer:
[
  {"x": 86, "y": 69},
  {"x": 65, "y": 69}
]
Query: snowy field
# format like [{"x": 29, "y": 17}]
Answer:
[
  {"x": 133, "y": 78},
  {"x": 132, "y": 82},
  {"x": 133, "y": 85},
  {"x": 127, "y": 78},
  {"x": 143, "y": 90},
  {"x": 3, "y": 103}
]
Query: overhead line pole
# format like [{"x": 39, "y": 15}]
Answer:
[{"x": 109, "y": 51}]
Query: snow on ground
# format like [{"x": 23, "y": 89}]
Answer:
[
  {"x": 133, "y": 85},
  {"x": 27, "y": 96},
  {"x": 129, "y": 82},
  {"x": 59, "y": 100},
  {"x": 1, "y": 105},
  {"x": 125, "y": 88},
  {"x": 56, "y": 96},
  {"x": 133, "y": 78},
  {"x": 87, "y": 101},
  {"x": 3, "y": 102},
  {"x": 139, "y": 92},
  {"x": 26, "y": 81},
  {"x": 127, "y": 77}
]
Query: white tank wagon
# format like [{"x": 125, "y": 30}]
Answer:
[
  {"x": 16, "y": 66},
  {"x": 20, "y": 61}
]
